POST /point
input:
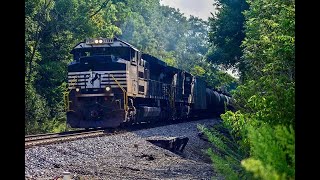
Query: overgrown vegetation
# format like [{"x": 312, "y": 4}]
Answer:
[
  {"x": 262, "y": 142},
  {"x": 54, "y": 27}
]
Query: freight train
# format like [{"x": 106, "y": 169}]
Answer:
[{"x": 111, "y": 83}]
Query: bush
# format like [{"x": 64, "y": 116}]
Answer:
[
  {"x": 225, "y": 154},
  {"x": 272, "y": 152},
  {"x": 36, "y": 111}
]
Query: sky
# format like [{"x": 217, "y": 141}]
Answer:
[{"x": 199, "y": 8}]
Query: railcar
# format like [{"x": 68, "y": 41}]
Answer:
[{"x": 111, "y": 83}]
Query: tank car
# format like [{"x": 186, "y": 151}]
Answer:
[{"x": 112, "y": 83}]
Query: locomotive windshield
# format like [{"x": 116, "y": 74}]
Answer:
[{"x": 121, "y": 52}]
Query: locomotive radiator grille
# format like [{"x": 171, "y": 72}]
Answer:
[{"x": 97, "y": 79}]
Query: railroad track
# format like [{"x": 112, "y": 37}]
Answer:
[{"x": 50, "y": 138}]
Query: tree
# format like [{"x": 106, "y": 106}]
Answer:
[
  {"x": 263, "y": 126},
  {"x": 52, "y": 29},
  {"x": 36, "y": 19},
  {"x": 37, "y": 16},
  {"x": 227, "y": 33}
]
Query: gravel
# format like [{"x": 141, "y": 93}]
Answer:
[{"x": 124, "y": 156}]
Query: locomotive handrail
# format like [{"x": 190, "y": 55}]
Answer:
[
  {"x": 125, "y": 96},
  {"x": 66, "y": 94}
]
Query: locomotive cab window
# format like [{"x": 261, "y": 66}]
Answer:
[
  {"x": 134, "y": 58},
  {"x": 141, "y": 74},
  {"x": 121, "y": 52},
  {"x": 141, "y": 62},
  {"x": 141, "y": 89}
]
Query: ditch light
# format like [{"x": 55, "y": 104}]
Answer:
[
  {"x": 92, "y": 41},
  {"x": 108, "y": 88}
]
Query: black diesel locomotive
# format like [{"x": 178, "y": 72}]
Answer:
[{"x": 111, "y": 83}]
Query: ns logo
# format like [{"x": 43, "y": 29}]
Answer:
[
  {"x": 94, "y": 80},
  {"x": 97, "y": 76}
]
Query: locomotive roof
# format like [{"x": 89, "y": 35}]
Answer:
[
  {"x": 115, "y": 43},
  {"x": 151, "y": 59}
]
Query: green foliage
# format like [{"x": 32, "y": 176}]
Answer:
[
  {"x": 235, "y": 121},
  {"x": 170, "y": 59},
  {"x": 272, "y": 152},
  {"x": 52, "y": 29},
  {"x": 197, "y": 71},
  {"x": 226, "y": 33},
  {"x": 37, "y": 16},
  {"x": 267, "y": 151},
  {"x": 225, "y": 154},
  {"x": 217, "y": 78},
  {"x": 269, "y": 43},
  {"x": 164, "y": 32},
  {"x": 260, "y": 171},
  {"x": 226, "y": 81},
  {"x": 54, "y": 126},
  {"x": 263, "y": 126},
  {"x": 36, "y": 110}
]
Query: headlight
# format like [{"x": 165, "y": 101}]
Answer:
[
  {"x": 77, "y": 89},
  {"x": 108, "y": 88},
  {"x": 96, "y": 41},
  {"x": 100, "y": 40}
]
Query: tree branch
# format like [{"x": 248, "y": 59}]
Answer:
[{"x": 102, "y": 6}]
